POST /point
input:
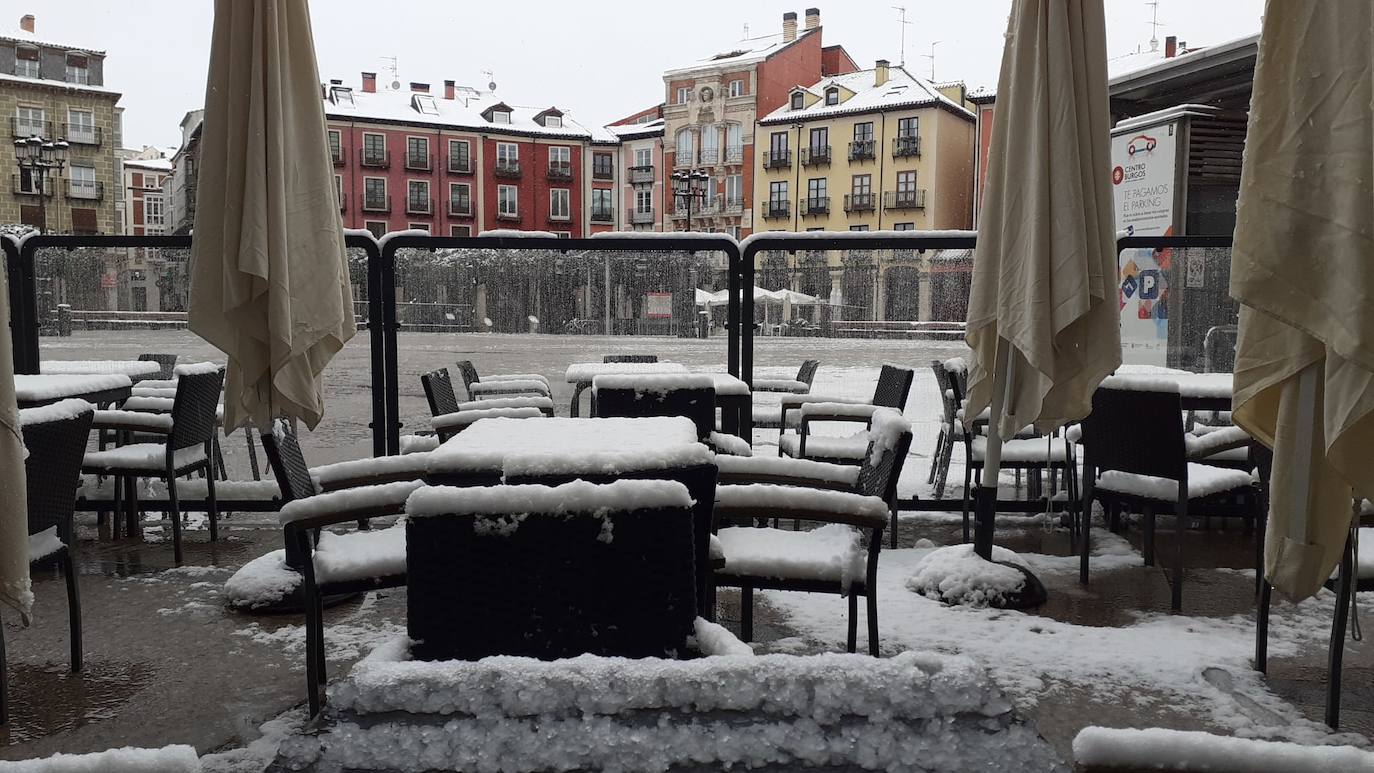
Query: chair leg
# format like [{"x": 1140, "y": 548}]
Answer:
[
  {"x": 935, "y": 457},
  {"x": 746, "y": 613},
  {"x": 968, "y": 492},
  {"x": 853, "y": 621},
  {"x": 174, "y": 510},
  {"x": 313, "y": 630},
  {"x": 1148, "y": 541},
  {"x": 212, "y": 504},
  {"x": 132, "y": 527},
  {"x": 217, "y": 456},
  {"x": 1336, "y": 651},
  {"x": 872, "y": 597},
  {"x": 4, "y": 681},
  {"x": 73, "y": 608},
  {"x": 1180, "y": 533},
  {"x": 252, "y": 454},
  {"x": 1262, "y": 627}
]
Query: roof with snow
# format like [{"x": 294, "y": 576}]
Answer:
[
  {"x": 901, "y": 90},
  {"x": 1142, "y": 62},
  {"x": 632, "y": 131},
  {"x": 56, "y": 84},
  {"x": 157, "y": 164},
  {"x": 747, "y": 51},
  {"x": 16, "y": 34},
  {"x": 470, "y": 112}
]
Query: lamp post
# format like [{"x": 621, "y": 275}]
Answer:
[
  {"x": 690, "y": 185},
  {"x": 36, "y": 157}
]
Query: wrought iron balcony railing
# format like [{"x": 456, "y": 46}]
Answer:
[
  {"x": 777, "y": 159},
  {"x": 904, "y": 147},
  {"x": 815, "y": 205},
  {"x": 862, "y": 150},
  {"x": 773, "y": 210},
  {"x": 858, "y": 202},
  {"x": 641, "y": 174},
  {"x": 374, "y": 159},
  {"x": 911, "y": 199},
  {"x": 815, "y": 156},
  {"x": 509, "y": 169}
]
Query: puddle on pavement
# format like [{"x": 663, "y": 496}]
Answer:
[{"x": 49, "y": 699}]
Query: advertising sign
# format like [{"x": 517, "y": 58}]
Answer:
[
  {"x": 108, "y": 281},
  {"x": 1144, "y": 166},
  {"x": 658, "y": 305}
]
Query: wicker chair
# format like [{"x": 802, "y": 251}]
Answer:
[
  {"x": 55, "y": 441},
  {"x": 629, "y": 358},
  {"x": 951, "y": 429},
  {"x": 891, "y": 391},
  {"x": 188, "y": 434},
  {"x": 769, "y": 416},
  {"x": 166, "y": 364},
  {"x": 867, "y": 503},
  {"x": 507, "y": 385},
  {"x": 439, "y": 392},
  {"x": 1149, "y": 472},
  {"x": 695, "y": 403}
]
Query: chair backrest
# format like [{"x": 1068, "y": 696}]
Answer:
[
  {"x": 439, "y": 392},
  {"x": 879, "y": 478},
  {"x": 468, "y": 372},
  {"x": 958, "y": 381},
  {"x": 1219, "y": 349},
  {"x": 52, "y": 471},
  {"x": 696, "y": 403},
  {"x": 948, "y": 397},
  {"x": 1136, "y": 431},
  {"x": 195, "y": 408},
  {"x": 284, "y": 456},
  {"x": 630, "y": 358},
  {"x": 807, "y": 372},
  {"x": 894, "y": 384},
  {"x": 166, "y": 362}
]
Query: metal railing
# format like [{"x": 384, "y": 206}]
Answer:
[
  {"x": 773, "y": 210},
  {"x": 709, "y": 155},
  {"x": 508, "y": 169},
  {"x": 862, "y": 150},
  {"x": 337, "y": 157},
  {"x": 734, "y": 154},
  {"x": 603, "y": 171},
  {"x": 815, "y": 156},
  {"x": 642, "y": 216},
  {"x": 82, "y": 134},
  {"x": 903, "y": 147},
  {"x": 460, "y": 165},
  {"x": 91, "y": 190},
  {"x": 603, "y": 215},
  {"x": 777, "y": 159},
  {"x": 509, "y": 216},
  {"x": 641, "y": 174},
  {"x": 858, "y": 202},
  {"x": 25, "y": 128},
  {"x": 461, "y": 206},
  {"x": 373, "y": 203},
  {"x": 560, "y": 170},
  {"x": 419, "y": 162},
  {"x": 732, "y": 206},
  {"x": 372, "y": 159},
  {"x": 914, "y": 199},
  {"x": 419, "y": 206},
  {"x": 814, "y": 205}
]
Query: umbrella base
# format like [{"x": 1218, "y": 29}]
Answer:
[
  {"x": 956, "y": 575},
  {"x": 1031, "y": 595}
]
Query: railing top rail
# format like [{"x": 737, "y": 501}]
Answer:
[
  {"x": 629, "y": 243},
  {"x": 869, "y": 240},
  {"x": 31, "y": 244}
]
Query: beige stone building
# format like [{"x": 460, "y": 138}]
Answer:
[{"x": 56, "y": 91}]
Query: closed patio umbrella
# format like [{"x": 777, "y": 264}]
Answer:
[
  {"x": 1042, "y": 319},
  {"x": 1303, "y": 269},
  {"x": 14, "y": 517},
  {"x": 269, "y": 282}
]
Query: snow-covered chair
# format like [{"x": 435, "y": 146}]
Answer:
[
  {"x": 951, "y": 429},
  {"x": 55, "y": 436},
  {"x": 1036, "y": 455},
  {"x": 1135, "y": 457},
  {"x": 891, "y": 391},
  {"x": 166, "y": 363},
  {"x": 666, "y": 394},
  {"x": 770, "y": 416},
  {"x": 852, "y": 502},
  {"x": 502, "y": 385}
]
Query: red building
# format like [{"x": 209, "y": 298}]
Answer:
[{"x": 462, "y": 162}]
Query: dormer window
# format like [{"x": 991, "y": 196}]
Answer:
[
  {"x": 424, "y": 103},
  {"x": 341, "y": 96},
  {"x": 500, "y": 116},
  {"x": 798, "y": 100},
  {"x": 26, "y": 62},
  {"x": 78, "y": 69},
  {"x": 553, "y": 121},
  {"x": 832, "y": 96},
  {"x": 497, "y": 113}
]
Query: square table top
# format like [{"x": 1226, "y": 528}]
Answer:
[
  {"x": 99, "y": 367},
  {"x": 35, "y": 389},
  {"x": 569, "y": 445},
  {"x": 1214, "y": 386},
  {"x": 586, "y": 371}
]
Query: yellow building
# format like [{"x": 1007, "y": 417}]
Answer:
[{"x": 870, "y": 150}]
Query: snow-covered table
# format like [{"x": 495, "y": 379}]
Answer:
[
  {"x": 581, "y": 374},
  {"x": 34, "y": 390},
  {"x": 136, "y": 370},
  {"x": 1199, "y": 391}
]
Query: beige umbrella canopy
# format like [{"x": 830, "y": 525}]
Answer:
[
  {"x": 14, "y": 516},
  {"x": 1303, "y": 269},
  {"x": 269, "y": 282}
]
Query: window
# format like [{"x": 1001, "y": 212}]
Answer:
[
  {"x": 374, "y": 150},
  {"x": 553, "y": 121},
  {"x": 26, "y": 62},
  {"x": 908, "y": 127},
  {"x": 798, "y": 100},
  {"x": 507, "y": 202},
  {"x": 603, "y": 207},
  {"x": 417, "y": 196},
  {"x": 374, "y": 194},
  {"x": 710, "y": 144},
  {"x": 734, "y": 143},
  {"x": 644, "y": 201},
  {"x": 30, "y": 121},
  {"x": 862, "y": 185},
  {"x": 684, "y": 93},
  {"x": 560, "y": 161},
  {"x": 81, "y": 126},
  {"x": 832, "y": 96},
  {"x": 418, "y": 227},
  {"x": 863, "y": 132},
  {"x": 153, "y": 209},
  {"x": 644, "y": 157},
  {"x": 335, "y": 146},
  {"x": 459, "y": 199},
  {"x": 735, "y": 88},
  {"x": 733, "y": 230},
  {"x": 906, "y": 184},
  {"x": 338, "y": 190},
  {"x": 28, "y": 181},
  {"x": 459, "y": 156},
  {"x": 460, "y": 230},
  {"x": 734, "y": 190},
  {"x": 377, "y": 227},
  {"x": 603, "y": 168},
  {"x": 709, "y": 193},
  {"x": 559, "y": 207},
  {"x": 77, "y": 69},
  {"x": 563, "y": 234},
  {"x": 816, "y": 189},
  {"x": 424, "y": 103},
  {"x": 507, "y": 154},
  {"x": 904, "y": 227},
  {"x": 777, "y": 194},
  {"x": 417, "y": 153},
  {"x": 83, "y": 186},
  {"x": 858, "y": 228},
  {"x": 684, "y": 147},
  {"x": 777, "y": 144},
  {"x": 500, "y": 116},
  {"x": 820, "y": 140}
]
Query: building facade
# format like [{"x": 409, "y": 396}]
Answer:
[
  {"x": 641, "y": 170},
  {"x": 180, "y": 186},
  {"x": 710, "y": 112},
  {"x": 57, "y": 91}
]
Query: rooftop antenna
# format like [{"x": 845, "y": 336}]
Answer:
[
  {"x": 491, "y": 81},
  {"x": 746, "y": 31},
  {"x": 1154, "y": 24},
  {"x": 902, "y": 24},
  {"x": 395, "y": 72},
  {"x": 931, "y": 57}
]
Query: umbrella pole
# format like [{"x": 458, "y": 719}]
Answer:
[
  {"x": 1299, "y": 496},
  {"x": 985, "y": 500}
]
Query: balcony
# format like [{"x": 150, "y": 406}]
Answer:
[
  {"x": 343, "y": 205},
  {"x": 374, "y": 159},
  {"x": 460, "y": 165},
  {"x": 915, "y": 199},
  {"x": 777, "y": 159},
  {"x": 419, "y": 162},
  {"x": 25, "y": 187},
  {"x": 710, "y": 156},
  {"x": 418, "y": 206},
  {"x": 507, "y": 169},
  {"x": 816, "y": 205},
  {"x": 906, "y": 147},
  {"x": 862, "y": 150},
  {"x": 375, "y": 203},
  {"x": 461, "y": 207},
  {"x": 640, "y": 175},
  {"x": 773, "y": 210},
  {"x": 336, "y": 156},
  {"x": 732, "y": 206},
  {"x": 511, "y": 217},
  {"x": 603, "y": 172},
  {"x": 560, "y": 170},
  {"x": 642, "y": 217},
  {"x": 89, "y": 190},
  {"x": 684, "y": 161},
  {"x": 25, "y": 128},
  {"x": 817, "y": 156},
  {"x": 858, "y": 202},
  {"x": 603, "y": 215},
  {"x": 82, "y": 134}
]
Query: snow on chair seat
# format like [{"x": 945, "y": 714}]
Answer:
[
  {"x": 453, "y": 423},
  {"x": 518, "y": 377},
  {"x": 758, "y": 468},
  {"x": 381, "y": 469},
  {"x": 832, "y": 553},
  {"x": 788, "y": 385},
  {"x": 1200, "y": 445},
  {"x": 168, "y": 759},
  {"x": 360, "y": 555},
  {"x": 133, "y": 421},
  {"x": 44, "y": 544},
  {"x": 1027, "y": 451},
  {"x": 348, "y": 504},
  {"x": 142, "y": 456},
  {"x": 544, "y": 404},
  {"x": 762, "y": 500},
  {"x": 850, "y": 448},
  {"x": 1203, "y": 481},
  {"x": 512, "y": 387}
]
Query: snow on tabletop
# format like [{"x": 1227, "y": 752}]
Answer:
[
  {"x": 418, "y": 444},
  {"x": 833, "y": 552},
  {"x": 513, "y": 385},
  {"x": 360, "y": 555},
  {"x": 348, "y": 499},
  {"x": 355, "y": 469},
  {"x": 716, "y": 640},
  {"x": 604, "y": 462},
  {"x": 389, "y": 235},
  {"x": 168, "y": 759},
  {"x": 464, "y": 418},
  {"x": 261, "y": 582},
  {"x": 780, "y": 385},
  {"x": 486, "y": 444},
  {"x": 196, "y": 369},
  {"x": 1193, "y": 750},
  {"x": 156, "y": 422},
  {"x": 586, "y": 371},
  {"x": 58, "y": 411},
  {"x": 653, "y": 383},
  {"x": 1144, "y": 383},
  {"x": 731, "y": 445},
  {"x": 578, "y": 497},
  {"x": 1213, "y": 385},
  {"x": 846, "y": 474},
  {"x": 1203, "y": 480},
  {"x": 516, "y": 377},
  {"x": 957, "y": 575},
  {"x": 45, "y": 543},
  {"x": 783, "y": 498},
  {"x": 33, "y": 388},
  {"x": 511, "y": 233},
  {"x": 856, "y": 410},
  {"x": 98, "y": 367},
  {"x": 827, "y": 447},
  {"x": 160, "y": 404},
  {"x": 728, "y": 385},
  {"x": 529, "y": 401},
  {"x": 143, "y": 456}
]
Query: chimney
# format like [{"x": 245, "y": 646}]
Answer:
[
  {"x": 1170, "y": 47},
  {"x": 369, "y": 83},
  {"x": 419, "y": 88},
  {"x": 880, "y": 72},
  {"x": 448, "y": 89},
  {"x": 26, "y": 22},
  {"x": 789, "y": 26},
  {"x": 335, "y": 82},
  {"x": 813, "y": 18}
]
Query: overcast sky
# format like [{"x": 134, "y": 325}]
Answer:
[{"x": 597, "y": 60}]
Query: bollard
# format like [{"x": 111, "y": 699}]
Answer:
[{"x": 64, "y": 319}]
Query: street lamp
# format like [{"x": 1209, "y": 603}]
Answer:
[
  {"x": 36, "y": 157},
  {"x": 690, "y": 185}
]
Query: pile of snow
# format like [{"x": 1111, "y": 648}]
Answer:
[
  {"x": 886, "y": 429},
  {"x": 732, "y": 445},
  {"x": 262, "y": 582},
  {"x": 168, "y": 759},
  {"x": 957, "y": 575},
  {"x": 414, "y": 444},
  {"x": 1190, "y": 750}
]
